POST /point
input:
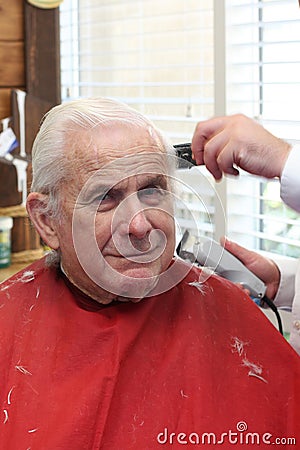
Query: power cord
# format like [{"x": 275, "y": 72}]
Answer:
[{"x": 273, "y": 307}]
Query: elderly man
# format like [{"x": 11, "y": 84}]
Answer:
[{"x": 112, "y": 342}]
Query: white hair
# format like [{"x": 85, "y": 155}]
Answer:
[{"x": 49, "y": 161}]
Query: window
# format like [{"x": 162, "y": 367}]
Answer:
[
  {"x": 263, "y": 70},
  {"x": 181, "y": 62}
]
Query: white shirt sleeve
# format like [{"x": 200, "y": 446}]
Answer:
[
  {"x": 290, "y": 179},
  {"x": 286, "y": 291}
]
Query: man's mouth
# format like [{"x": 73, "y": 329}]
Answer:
[{"x": 142, "y": 257}]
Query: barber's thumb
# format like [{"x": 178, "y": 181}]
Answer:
[{"x": 237, "y": 250}]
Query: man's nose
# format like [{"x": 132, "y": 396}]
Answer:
[
  {"x": 139, "y": 225},
  {"x": 133, "y": 218}
]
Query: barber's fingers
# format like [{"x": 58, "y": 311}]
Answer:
[
  {"x": 219, "y": 154},
  {"x": 204, "y": 131},
  {"x": 212, "y": 146},
  {"x": 227, "y": 159},
  {"x": 264, "y": 268}
]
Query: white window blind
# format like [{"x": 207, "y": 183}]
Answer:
[
  {"x": 155, "y": 55},
  {"x": 181, "y": 62},
  {"x": 263, "y": 81},
  {"x": 263, "y": 62}
]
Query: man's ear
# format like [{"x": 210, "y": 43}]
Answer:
[{"x": 44, "y": 224}]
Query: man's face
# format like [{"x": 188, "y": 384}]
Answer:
[{"x": 121, "y": 236}]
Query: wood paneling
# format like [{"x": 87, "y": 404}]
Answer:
[
  {"x": 12, "y": 65},
  {"x": 5, "y": 104},
  {"x": 42, "y": 53},
  {"x": 29, "y": 60},
  {"x": 9, "y": 195},
  {"x": 12, "y": 71},
  {"x": 40, "y": 68},
  {"x": 12, "y": 75},
  {"x": 12, "y": 20}
]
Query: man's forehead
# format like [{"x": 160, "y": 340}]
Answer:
[
  {"x": 104, "y": 144},
  {"x": 125, "y": 136},
  {"x": 140, "y": 165},
  {"x": 136, "y": 161},
  {"x": 141, "y": 168}
]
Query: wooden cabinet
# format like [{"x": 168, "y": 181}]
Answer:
[
  {"x": 29, "y": 62},
  {"x": 12, "y": 52}
]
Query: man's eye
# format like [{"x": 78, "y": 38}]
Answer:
[
  {"x": 151, "y": 195},
  {"x": 104, "y": 197},
  {"x": 106, "y": 201}
]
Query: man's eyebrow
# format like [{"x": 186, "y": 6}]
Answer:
[
  {"x": 92, "y": 192},
  {"x": 160, "y": 180},
  {"x": 101, "y": 188}
]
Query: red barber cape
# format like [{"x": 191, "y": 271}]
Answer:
[{"x": 198, "y": 366}]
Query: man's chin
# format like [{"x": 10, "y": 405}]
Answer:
[
  {"x": 140, "y": 272},
  {"x": 136, "y": 283}
]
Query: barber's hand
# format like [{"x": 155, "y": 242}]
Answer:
[
  {"x": 225, "y": 143},
  {"x": 262, "y": 267}
]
